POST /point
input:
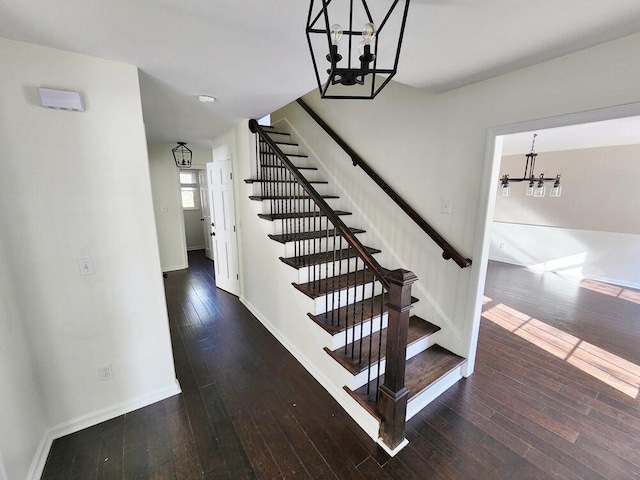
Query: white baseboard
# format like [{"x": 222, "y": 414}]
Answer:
[
  {"x": 174, "y": 268},
  {"x": 424, "y": 398},
  {"x": 198, "y": 247},
  {"x": 395, "y": 451},
  {"x": 3, "y": 471},
  {"x": 85, "y": 421}
]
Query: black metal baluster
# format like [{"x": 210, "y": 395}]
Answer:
[
  {"x": 327, "y": 312},
  {"x": 373, "y": 300},
  {"x": 353, "y": 324},
  {"x": 340, "y": 269},
  {"x": 362, "y": 302},
  {"x": 346, "y": 311},
  {"x": 379, "y": 346}
]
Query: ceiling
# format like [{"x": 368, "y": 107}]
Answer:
[
  {"x": 608, "y": 133},
  {"x": 252, "y": 54}
]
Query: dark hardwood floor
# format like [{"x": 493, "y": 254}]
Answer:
[{"x": 554, "y": 396}]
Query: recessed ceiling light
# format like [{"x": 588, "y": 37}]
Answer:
[{"x": 206, "y": 98}]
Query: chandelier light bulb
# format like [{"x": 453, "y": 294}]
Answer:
[
  {"x": 556, "y": 190},
  {"x": 531, "y": 188},
  {"x": 540, "y": 190},
  {"x": 505, "y": 189},
  {"x": 368, "y": 33},
  {"x": 336, "y": 34}
]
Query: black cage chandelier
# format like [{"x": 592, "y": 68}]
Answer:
[
  {"x": 536, "y": 187},
  {"x": 182, "y": 155},
  {"x": 356, "y": 45}
]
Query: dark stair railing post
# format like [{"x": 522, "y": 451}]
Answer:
[{"x": 393, "y": 392}]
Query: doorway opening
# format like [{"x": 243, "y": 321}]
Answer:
[{"x": 563, "y": 241}]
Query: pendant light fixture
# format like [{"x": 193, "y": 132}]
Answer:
[
  {"x": 357, "y": 46},
  {"x": 536, "y": 187},
  {"x": 182, "y": 155}
]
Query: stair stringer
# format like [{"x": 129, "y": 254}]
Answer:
[
  {"x": 284, "y": 314},
  {"x": 450, "y": 337}
]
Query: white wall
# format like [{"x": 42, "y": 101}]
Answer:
[
  {"x": 592, "y": 230},
  {"x": 605, "y": 256},
  {"x": 600, "y": 190},
  {"x": 170, "y": 222},
  {"x": 23, "y": 420},
  {"x": 75, "y": 185},
  {"x": 193, "y": 229},
  {"x": 432, "y": 146}
]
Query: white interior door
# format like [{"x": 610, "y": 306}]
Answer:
[
  {"x": 223, "y": 221},
  {"x": 206, "y": 213}
]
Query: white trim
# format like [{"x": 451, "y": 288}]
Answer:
[
  {"x": 394, "y": 452},
  {"x": 550, "y": 227},
  {"x": 418, "y": 402},
  {"x": 88, "y": 420},
  {"x": 487, "y": 198},
  {"x": 616, "y": 282},
  {"x": 3, "y": 471},
  {"x": 174, "y": 268},
  {"x": 198, "y": 247}
]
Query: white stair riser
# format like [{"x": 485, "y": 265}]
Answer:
[
  {"x": 434, "y": 390},
  {"x": 292, "y": 205},
  {"x": 284, "y": 189},
  {"x": 306, "y": 274},
  {"x": 363, "y": 377},
  {"x": 339, "y": 339},
  {"x": 414, "y": 349},
  {"x": 280, "y": 137},
  {"x": 301, "y": 225},
  {"x": 314, "y": 245},
  {"x": 345, "y": 297},
  {"x": 286, "y": 149},
  {"x": 272, "y": 174}
]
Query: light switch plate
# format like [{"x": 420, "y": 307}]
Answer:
[{"x": 445, "y": 206}]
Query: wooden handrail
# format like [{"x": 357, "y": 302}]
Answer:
[
  {"x": 345, "y": 232},
  {"x": 448, "y": 251}
]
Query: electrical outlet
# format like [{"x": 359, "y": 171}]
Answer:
[
  {"x": 86, "y": 266},
  {"x": 105, "y": 372}
]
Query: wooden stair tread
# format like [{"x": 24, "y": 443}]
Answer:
[
  {"x": 259, "y": 198},
  {"x": 284, "y": 216},
  {"x": 334, "y": 320},
  {"x": 326, "y": 285},
  {"x": 324, "y": 257},
  {"x": 421, "y": 372},
  {"x": 418, "y": 329},
  {"x": 253, "y": 180},
  {"x": 292, "y": 237}
]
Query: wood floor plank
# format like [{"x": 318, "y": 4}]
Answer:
[{"x": 249, "y": 410}]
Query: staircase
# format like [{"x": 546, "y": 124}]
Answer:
[{"x": 395, "y": 363}]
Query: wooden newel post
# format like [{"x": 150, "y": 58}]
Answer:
[{"x": 393, "y": 393}]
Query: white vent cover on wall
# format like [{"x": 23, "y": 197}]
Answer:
[{"x": 61, "y": 99}]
